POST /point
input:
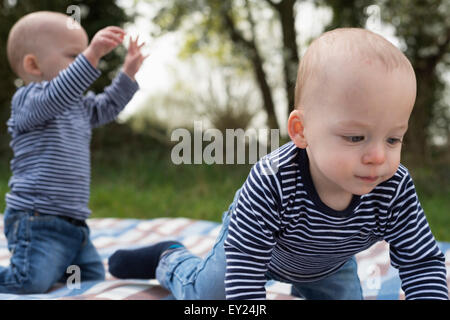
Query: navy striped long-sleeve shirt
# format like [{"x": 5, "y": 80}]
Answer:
[
  {"x": 280, "y": 224},
  {"x": 50, "y": 125}
]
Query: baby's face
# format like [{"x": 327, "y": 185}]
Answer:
[
  {"x": 61, "y": 51},
  {"x": 355, "y": 125}
]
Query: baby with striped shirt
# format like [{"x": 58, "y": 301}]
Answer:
[
  {"x": 334, "y": 190},
  {"x": 50, "y": 126}
]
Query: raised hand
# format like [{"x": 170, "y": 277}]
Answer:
[
  {"x": 103, "y": 42},
  {"x": 134, "y": 58}
]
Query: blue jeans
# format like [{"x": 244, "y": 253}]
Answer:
[
  {"x": 190, "y": 277},
  {"x": 42, "y": 248}
]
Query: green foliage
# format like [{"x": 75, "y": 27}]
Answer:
[
  {"x": 222, "y": 30},
  {"x": 203, "y": 29}
]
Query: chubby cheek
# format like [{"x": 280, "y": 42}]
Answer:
[
  {"x": 342, "y": 165},
  {"x": 393, "y": 163},
  {"x": 335, "y": 163}
]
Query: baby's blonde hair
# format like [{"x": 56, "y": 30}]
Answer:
[{"x": 351, "y": 44}]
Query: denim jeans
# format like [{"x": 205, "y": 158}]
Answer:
[
  {"x": 42, "y": 248},
  {"x": 190, "y": 277}
]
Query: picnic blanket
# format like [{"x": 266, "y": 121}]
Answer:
[{"x": 379, "y": 280}]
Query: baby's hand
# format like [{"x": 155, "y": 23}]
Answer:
[
  {"x": 104, "y": 41},
  {"x": 134, "y": 58}
]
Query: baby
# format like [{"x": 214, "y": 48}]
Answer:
[
  {"x": 337, "y": 188},
  {"x": 50, "y": 125}
]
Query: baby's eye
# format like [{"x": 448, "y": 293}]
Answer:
[
  {"x": 353, "y": 139},
  {"x": 394, "y": 141}
]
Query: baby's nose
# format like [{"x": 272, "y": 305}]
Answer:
[{"x": 375, "y": 154}]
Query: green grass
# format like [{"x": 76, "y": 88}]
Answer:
[
  {"x": 145, "y": 184},
  {"x": 151, "y": 186},
  {"x": 437, "y": 211}
]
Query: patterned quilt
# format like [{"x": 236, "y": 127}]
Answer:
[{"x": 378, "y": 279}]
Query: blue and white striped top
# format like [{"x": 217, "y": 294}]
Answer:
[
  {"x": 50, "y": 126},
  {"x": 281, "y": 225}
]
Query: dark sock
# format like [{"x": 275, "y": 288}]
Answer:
[{"x": 139, "y": 263}]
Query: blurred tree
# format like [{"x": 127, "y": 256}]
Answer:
[
  {"x": 221, "y": 100},
  {"x": 219, "y": 22},
  {"x": 346, "y": 14},
  {"x": 94, "y": 16},
  {"x": 424, "y": 27}
]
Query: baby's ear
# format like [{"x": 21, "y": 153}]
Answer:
[
  {"x": 296, "y": 128},
  {"x": 30, "y": 65}
]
